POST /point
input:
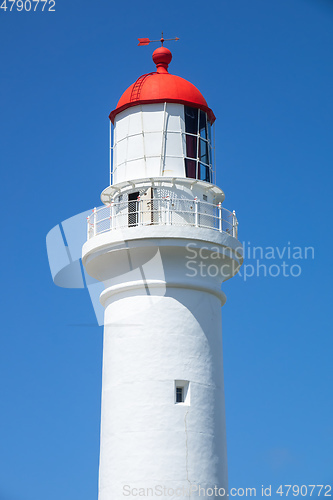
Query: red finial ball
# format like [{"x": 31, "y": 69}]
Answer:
[{"x": 162, "y": 58}]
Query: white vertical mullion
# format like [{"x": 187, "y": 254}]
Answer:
[
  {"x": 127, "y": 142},
  {"x": 143, "y": 139},
  {"x": 163, "y": 141},
  {"x": 198, "y": 139}
]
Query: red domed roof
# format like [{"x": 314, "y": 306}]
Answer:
[{"x": 160, "y": 86}]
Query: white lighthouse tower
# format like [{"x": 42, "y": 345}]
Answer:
[{"x": 163, "y": 244}]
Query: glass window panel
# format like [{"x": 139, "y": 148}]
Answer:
[
  {"x": 191, "y": 120},
  {"x": 190, "y": 168},
  {"x": 204, "y": 152},
  {"x": 209, "y": 130},
  {"x": 204, "y": 159},
  {"x": 203, "y": 149},
  {"x": 202, "y": 121},
  {"x": 191, "y": 146},
  {"x": 204, "y": 173},
  {"x": 179, "y": 395}
]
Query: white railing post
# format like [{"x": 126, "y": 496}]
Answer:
[
  {"x": 167, "y": 211},
  {"x": 220, "y": 216},
  {"x": 139, "y": 211},
  {"x": 196, "y": 218},
  {"x": 234, "y": 224},
  {"x": 95, "y": 222},
  {"x": 88, "y": 228},
  {"x": 111, "y": 215}
]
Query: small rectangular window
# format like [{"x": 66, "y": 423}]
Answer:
[
  {"x": 179, "y": 394},
  {"x": 182, "y": 392}
]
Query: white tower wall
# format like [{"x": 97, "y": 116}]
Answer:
[
  {"x": 162, "y": 325},
  {"x": 147, "y": 439}
]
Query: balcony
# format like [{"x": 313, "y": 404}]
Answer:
[{"x": 162, "y": 211}]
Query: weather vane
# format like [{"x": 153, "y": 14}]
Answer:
[{"x": 146, "y": 41}]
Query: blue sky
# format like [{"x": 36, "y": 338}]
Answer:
[{"x": 265, "y": 68}]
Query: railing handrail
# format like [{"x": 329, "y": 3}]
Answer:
[
  {"x": 164, "y": 207},
  {"x": 201, "y": 202}
]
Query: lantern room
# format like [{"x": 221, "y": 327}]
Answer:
[{"x": 162, "y": 128}]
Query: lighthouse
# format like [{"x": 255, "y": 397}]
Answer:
[{"x": 162, "y": 244}]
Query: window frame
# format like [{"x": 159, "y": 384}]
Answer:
[
  {"x": 184, "y": 385},
  {"x": 200, "y": 166}
]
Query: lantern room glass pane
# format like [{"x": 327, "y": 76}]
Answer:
[
  {"x": 203, "y": 124},
  {"x": 190, "y": 168},
  {"x": 204, "y": 173},
  {"x": 191, "y": 146},
  {"x": 204, "y": 152},
  {"x": 209, "y": 133},
  {"x": 191, "y": 120},
  {"x": 198, "y": 144}
]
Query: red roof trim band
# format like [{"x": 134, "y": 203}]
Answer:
[{"x": 206, "y": 109}]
